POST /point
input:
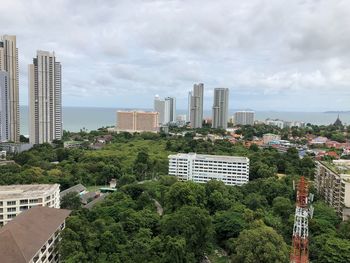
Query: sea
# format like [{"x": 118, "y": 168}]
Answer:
[{"x": 90, "y": 118}]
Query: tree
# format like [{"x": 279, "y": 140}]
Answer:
[
  {"x": 261, "y": 244},
  {"x": 71, "y": 201},
  {"x": 283, "y": 207}
]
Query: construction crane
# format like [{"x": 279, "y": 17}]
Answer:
[{"x": 303, "y": 210}]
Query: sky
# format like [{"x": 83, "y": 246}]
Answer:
[{"x": 271, "y": 54}]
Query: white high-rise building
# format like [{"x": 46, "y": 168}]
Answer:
[
  {"x": 202, "y": 168},
  {"x": 4, "y": 100},
  {"x": 220, "y": 108},
  {"x": 196, "y": 106},
  {"x": 170, "y": 110},
  {"x": 159, "y": 106},
  {"x": 244, "y": 117},
  {"x": 9, "y": 63},
  {"x": 45, "y": 98}
]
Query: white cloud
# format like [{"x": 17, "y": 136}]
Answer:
[{"x": 120, "y": 49}]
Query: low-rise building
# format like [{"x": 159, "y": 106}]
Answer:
[
  {"x": 201, "y": 168},
  {"x": 268, "y": 137},
  {"x": 332, "y": 182},
  {"x": 33, "y": 236},
  {"x": 137, "y": 121},
  {"x": 12, "y": 147},
  {"x": 15, "y": 199}
]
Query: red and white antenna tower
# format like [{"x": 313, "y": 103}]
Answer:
[{"x": 300, "y": 243}]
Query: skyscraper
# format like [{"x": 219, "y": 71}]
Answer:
[
  {"x": 9, "y": 63},
  {"x": 4, "y": 90},
  {"x": 170, "y": 110},
  {"x": 45, "y": 98},
  {"x": 196, "y": 106},
  {"x": 220, "y": 108},
  {"x": 159, "y": 106},
  {"x": 244, "y": 117}
]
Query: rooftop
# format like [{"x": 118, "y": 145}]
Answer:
[
  {"x": 78, "y": 188},
  {"x": 25, "y": 190},
  {"x": 210, "y": 157},
  {"x": 24, "y": 236},
  {"x": 338, "y": 167}
]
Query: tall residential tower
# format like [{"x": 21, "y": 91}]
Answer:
[
  {"x": 45, "y": 98},
  {"x": 170, "y": 110},
  {"x": 196, "y": 105},
  {"x": 9, "y": 64},
  {"x": 220, "y": 108}
]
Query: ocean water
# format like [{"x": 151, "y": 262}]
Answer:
[{"x": 77, "y": 118}]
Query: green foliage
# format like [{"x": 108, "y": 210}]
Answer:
[{"x": 71, "y": 201}]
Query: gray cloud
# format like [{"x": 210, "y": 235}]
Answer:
[{"x": 121, "y": 53}]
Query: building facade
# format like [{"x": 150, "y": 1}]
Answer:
[
  {"x": 137, "y": 121},
  {"x": 269, "y": 137},
  {"x": 196, "y": 105},
  {"x": 200, "y": 168},
  {"x": 220, "y": 108},
  {"x": 9, "y": 64},
  {"x": 45, "y": 99},
  {"x": 244, "y": 118},
  {"x": 334, "y": 186},
  {"x": 4, "y": 106},
  {"x": 33, "y": 236},
  {"x": 170, "y": 110},
  {"x": 15, "y": 199}
]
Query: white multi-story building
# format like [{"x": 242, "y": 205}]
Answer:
[
  {"x": 169, "y": 110},
  {"x": 15, "y": 199},
  {"x": 244, "y": 118},
  {"x": 45, "y": 98},
  {"x": 159, "y": 106},
  {"x": 196, "y": 105},
  {"x": 33, "y": 236},
  {"x": 276, "y": 122},
  {"x": 201, "y": 168}
]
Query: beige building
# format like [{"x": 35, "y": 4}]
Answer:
[
  {"x": 33, "y": 236},
  {"x": 332, "y": 182},
  {"x": 220, "y": 108},
  {"x": 9, "y": 64},
  {"x": 137, "y": 121},
  {"x": 15, "y": 199},
  {"x": 45, "y": 99}
]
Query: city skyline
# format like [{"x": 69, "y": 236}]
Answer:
[{"x": 115, "y": 51}]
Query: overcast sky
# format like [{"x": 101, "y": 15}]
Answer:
[{"x": 272, "y": 55}]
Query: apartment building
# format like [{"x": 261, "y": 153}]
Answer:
[
  {"x": 33, "y": 236},
  {"x": 332, "y": 182},
  {"x": 269, "y": 137},
  {"x": 15, "y": 199},
  {"x": 220, "y": 108},
  {"x": 201, "y": 168},
  {"x": 196, "y": 105},
  {"x": 45, "y": 98},
  {"x": 137, "y": 121},
  {"x": 244, "y": 117}
]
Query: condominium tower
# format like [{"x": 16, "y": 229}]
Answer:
[
  {"x": 4, "y": 91},
  {"x": 244, "y": 118},
  {"x": 137, "y": 121},
  {"x": 196, "y": 105},
  {"x": 45, "y": 98},
  {"x": 220, "y": 108},
  {"x": 169, "y": 110},
  {"x": 159, "y": 106},
  {"x": 9, "y": 64}
]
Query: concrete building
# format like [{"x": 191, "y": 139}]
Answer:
[
  {"x": 159, "y": 106},
  {"x": 33, "y": 236},
  {"x": 12, "y": 147},
  {"x": 269, "y": 137},
  {"x": 220, "y": 108},
  {"x": 9, "y": 64},
  {"x": 137, "y": 121},
  {"x": 332, "y": 182},
  {"x": 276, "y": 122},
  {"x": 169, "y": 110},
  {"x": 196, "y": 105},
  {"x": 45, "y": 99},
  {"x": 4, "y": 106},
  {"x": 202, "y": 168},
  {"x": 15, "y": 199},
  {"x": 244, "y": 118}
]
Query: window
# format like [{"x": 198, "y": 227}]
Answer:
[
  {"x": 31, "y": 201},
  {"x": 23, "y": 208},
  {"x": 11, "y": 202},
  {"x": 24, "y": 201},
  {"x": 11, "y": 209},
  {"x": 0, "y": 203},
  {"x": 10, "y": 216}
]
